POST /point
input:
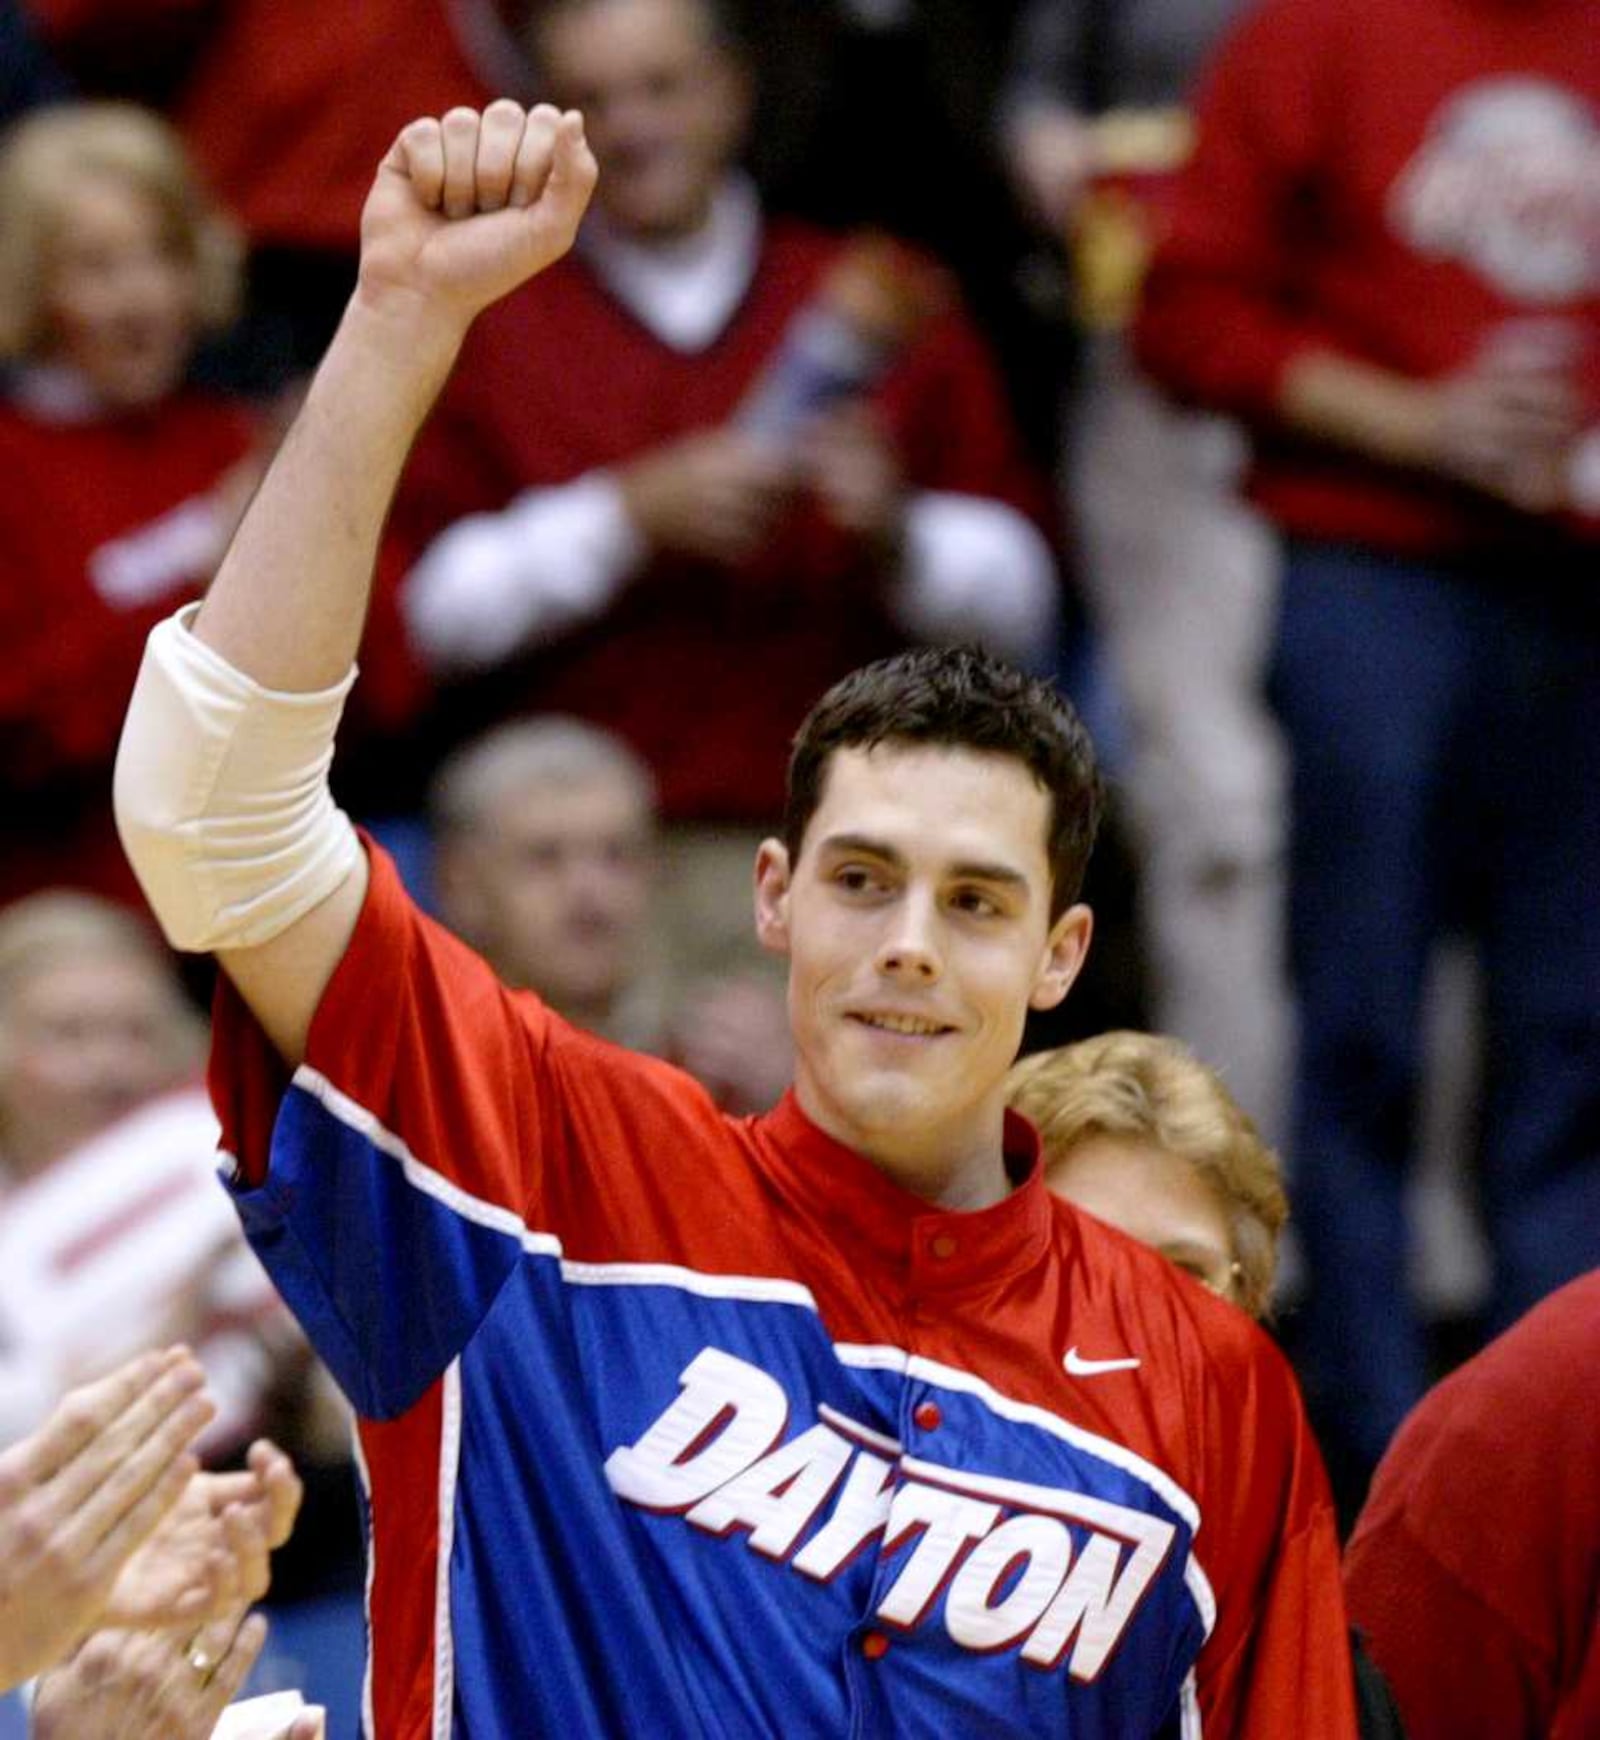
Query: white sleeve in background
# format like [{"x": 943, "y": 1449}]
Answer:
[
  {"x": 976, "y": 569},
  {"x": 266, "y": 1717},
  {"x": 494, "y": 584}
]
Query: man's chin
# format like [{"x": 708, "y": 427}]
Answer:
[
  {"x": 891, "y": 1108},
  {"x": 657, "y": 217}
]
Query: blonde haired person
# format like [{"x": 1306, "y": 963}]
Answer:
[
  {"x": 119, "y": 482},
  {"x": 1139, "y": 1132},
  {"x": 115, "y": 1234},
  {"x": 52, "y": 153}
]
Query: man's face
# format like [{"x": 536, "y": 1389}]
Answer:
[
  {"x": 917, "y": 926},
  {"x": 554, "y": 890},
  {"x": 119, "y": 295},
  {"x": 664, "y": 107},
  {"x": 1153, "y": 1196}
]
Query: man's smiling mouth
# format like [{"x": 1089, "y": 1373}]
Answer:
[{"x": 906, "y": 1026}]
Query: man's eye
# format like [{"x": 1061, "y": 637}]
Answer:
[
  {"x": 977, "y": 903},
  {"x": 855, "y": 878}
]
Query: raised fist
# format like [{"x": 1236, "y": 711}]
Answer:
[{"x": 464, "y": 209}]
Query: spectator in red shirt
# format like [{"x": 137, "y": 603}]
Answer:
[
  {"x": 1382, "y": 256},
  {"x": 119, "y": 486},
  {"x": 1475, "y": 1567}
]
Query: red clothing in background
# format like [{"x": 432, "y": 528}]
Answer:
[
  {"x": 706, "y": 671},
  {"x": 1475, "y": 1568},
  {"x": 289, "y": 105},
  {"x": 107, "y": 524},
  {"x": 1400, "y": 184}
]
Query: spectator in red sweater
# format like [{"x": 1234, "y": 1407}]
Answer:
[
  {"x": 1383, "y": 258},
  {"x": 118, "y": 486},
  {"x": 1475, "y": 1567},
  {"x": 120, "y": 482},
  {"x": 615, "y": 505}
]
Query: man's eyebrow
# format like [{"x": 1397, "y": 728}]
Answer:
[
  {"x": 1007, "y": 875},
  {"x": 866, "y": 845}
]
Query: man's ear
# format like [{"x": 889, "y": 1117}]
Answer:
[
  {"x": 1063, "y": 957},
  {"x": 772, "y": 896}
]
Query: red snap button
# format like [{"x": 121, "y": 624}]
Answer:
[
  {"x": 874, "y": 1645},
  {"x": 928, "y": 1416},
  {"x": 942, "y": 1245}
]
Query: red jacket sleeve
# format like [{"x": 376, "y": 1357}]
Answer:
[
  {"x": 1219, "y": 323},
  {"x": 1278, "y": 1659}
]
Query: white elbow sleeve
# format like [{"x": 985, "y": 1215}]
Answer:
[{"x": 222, "y": 796}]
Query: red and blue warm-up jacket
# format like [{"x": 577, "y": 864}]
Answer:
[{"x": 676, "y": 1424}]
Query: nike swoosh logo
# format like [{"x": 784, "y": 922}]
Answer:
[{"x": 1078, "y": 1366}]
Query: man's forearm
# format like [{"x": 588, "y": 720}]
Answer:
[
  {"x": 1358, "y": 406},
  {"x": 289, "y": 600}
]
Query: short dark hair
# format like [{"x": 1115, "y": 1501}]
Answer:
[{"x": 958, "y": 698}]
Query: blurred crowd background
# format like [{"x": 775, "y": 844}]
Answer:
[{"x": 1237, "y": 364}]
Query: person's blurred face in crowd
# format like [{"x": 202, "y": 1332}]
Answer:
[
  {"x": 120, "y": 293},
  {"x": 916, "y": 919},
  {"x": 554, "y": 889},
  {"x": 1154, "y": 1196},
  {"x": 85, "y": 1037},
  {"x": 665, "y": 105}
]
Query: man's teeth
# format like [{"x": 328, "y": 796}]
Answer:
[{"x": 909, "y": 1024}]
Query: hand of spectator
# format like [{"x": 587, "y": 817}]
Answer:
[
  {"x": 81, "y": 1495},
  {"x": 715, "y": 495},
  {"x": 1052, "y": 156},
  {"x": 850, "y": 462},
  {"x": 220, "y": 1534},
  {"x": 464, "y": 209},
  {"x": 1506, "y": 428},
  {"x": 733, "y": 1037},
  {"x": 150, "y": 1685}
]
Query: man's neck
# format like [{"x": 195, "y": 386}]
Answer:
[{"x": 963, "y": 1171}]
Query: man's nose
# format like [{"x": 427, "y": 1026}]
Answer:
[{"x": 910, "y": 948}]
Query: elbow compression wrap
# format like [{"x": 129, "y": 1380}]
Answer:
[{"x": 222, "y": 798}]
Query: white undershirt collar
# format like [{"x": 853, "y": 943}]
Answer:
[
  {"x": 55, "y": 393},
  {"x": 687, "y": 290}
]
